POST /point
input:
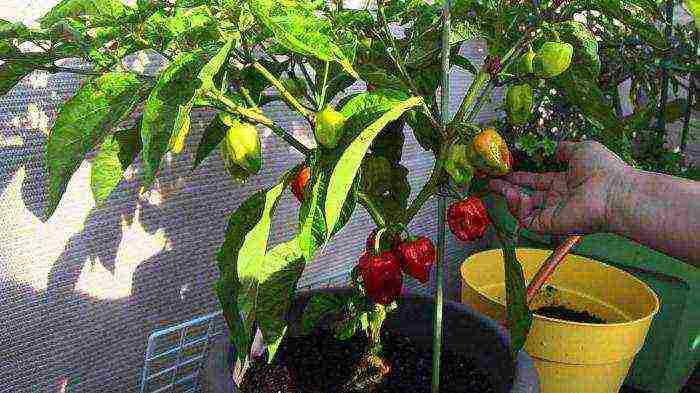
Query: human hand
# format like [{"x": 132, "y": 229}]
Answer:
[{"x": 578, "y": 201}]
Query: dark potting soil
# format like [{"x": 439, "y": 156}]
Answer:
[
  {"x": 567, "y": 314},
  {"x": 319, "y": 363}
]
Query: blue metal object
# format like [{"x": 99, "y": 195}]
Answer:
[{"x": 174, "y": 355}]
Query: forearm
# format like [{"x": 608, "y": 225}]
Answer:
[{"x": 661, "y": 212}]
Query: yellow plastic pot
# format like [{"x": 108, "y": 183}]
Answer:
[{"x": 571, "y": 357}]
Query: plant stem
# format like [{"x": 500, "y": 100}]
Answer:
[
  {"x": 427, "y": 191},
  {"x": 309, "y": 81},
  {"x": 56, "y": 69},
  {"x": 399, "y": 64},
  {"x": 480, "y": 80},
  {"x": 372, "y": 209},
  {"x": 322, "y": 100},
  {"x": 485, "y": 94},
  {"x": 255, "y": 116},
  {"x": 246, "y": 95},
  {"x": 445, "y": 118},
  {"x": 286, "y": 95}
]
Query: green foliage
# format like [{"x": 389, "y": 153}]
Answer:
[
  {"x": 101, "y": 11},
  {"x": 299, "y": 31},
  {"x": 585, "y": 56},
  {"x": 206, "y": 77},
  {"x": 213, "y": 135},
  {"x": 519, "y": 316},
  {"x": 176, "y": 87},
  {"x": 386, "y": 185},
  {"x": 319, "y": 306},
  {"x": 83, "y": 123},
  {"x": 236, "y": 56},
  {"x": 345, "y": 170},
  {"x": 257, "y": 285},
  {"x": 117, "y": 153},
  {"x": 11, "y": 74}
]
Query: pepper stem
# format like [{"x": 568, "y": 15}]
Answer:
[
  {"x": 403, "y": 230},
  {"x": 377, "y": 240}
]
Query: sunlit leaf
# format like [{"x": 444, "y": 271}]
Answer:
[
  {"x": 206, "y": 77},
  {"x": 105, "y": 11},
  {"x": 300, "y": 33},
  {"x": 175, "y": 88},
  {"x": 83, "y": 123},
  {"x": 116, "y": 154},
  {"x": 349, "y": 163}
]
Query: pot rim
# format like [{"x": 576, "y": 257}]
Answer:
[{"x": 648, "y": 317}]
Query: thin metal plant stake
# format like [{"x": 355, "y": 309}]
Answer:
[
  {"x": 692, "y": 95},
  {"x": 661, "y": 120},
  {"x": 442, "y": 202}
]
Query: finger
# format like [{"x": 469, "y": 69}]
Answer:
[
  {"x": 521, "y": 203},
  {"x": 536, "y": 181},
  {"x": 565, "y": 150}
]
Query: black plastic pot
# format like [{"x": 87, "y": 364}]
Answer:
[{"x": 464, "y": 330}]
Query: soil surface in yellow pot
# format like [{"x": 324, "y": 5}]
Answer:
[{"x": 571, "y": 357}]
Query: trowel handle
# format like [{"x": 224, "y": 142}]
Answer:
[{"x": 549, "y": 266}]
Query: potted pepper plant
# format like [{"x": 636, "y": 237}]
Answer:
[{"x": 236, "y": 56}]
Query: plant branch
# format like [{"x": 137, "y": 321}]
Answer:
[
  {"x": 307, "y": 77},
  {"x": 431, "y": 185},
  {"x": 246, "y": 95},
  {"x": 293, "y": 76},
  {"x": 445, "y": 119},
  {"x": 478, "y": 83},
  {"x": 322, "y": 100},
  {"x": 255, "y": 116},
  {"x": 400, "y": 66},
  {"x": 286, "y": 95},
  {"x": 372, "y": 209},
  {"x": 485, "y": 94},
  {"x": 483, "y": 81},
  {"x": 56, "y": 69}
]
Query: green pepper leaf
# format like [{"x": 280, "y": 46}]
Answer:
[
  {"x": 244, "y": 265},
  {"x": 117, "y": 153},
  {"x": 320, "y": 305},
  {"x": 213, "y": 135},
  {"x": 313, "y": 232},
  {"x": 11, "y": 74},
  {"x": 83, "y": 123},
  {"x": 380, "y": 100},
  {"x": 10, "y": 30},
  {"x": 276, "y": 279},
  {"x": 175, "y": 88},
  {"x": 206, "y": 77},
  {"x": 585, "y": 46},
  {"x": 389, "y": 142},
  {"x": 386, "y": 185},
  {"x": 347, "y": 329},
  {"x": 102, "y": 11},
  {"x": 300, "y": 32},
  {"x": 344, "y": 172},
  {"x": 518, "y": 313}
]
